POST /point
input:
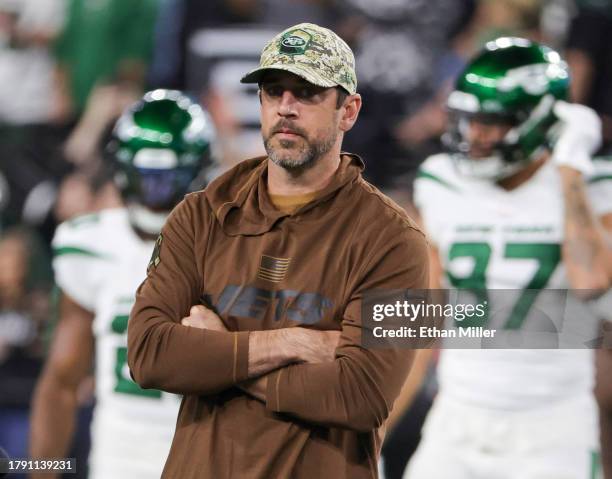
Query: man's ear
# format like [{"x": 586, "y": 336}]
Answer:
[{"x": 349, "y": 111}]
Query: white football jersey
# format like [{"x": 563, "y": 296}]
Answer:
[
  {"x": 489, "y": 237},
  {"x": 99, "y": 261}
]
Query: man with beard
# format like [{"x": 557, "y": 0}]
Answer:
[{"x": 252, "y": 305}]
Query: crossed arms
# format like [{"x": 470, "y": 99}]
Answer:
[
  {"x": 322, "y": 377},
  {"x": 270, "y": 350}
]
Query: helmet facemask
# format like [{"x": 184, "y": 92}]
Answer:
[
  {"x": 160, "y": 149},
  {"x": 152, "y": 185},
  {"x": 529, "y": 136}
]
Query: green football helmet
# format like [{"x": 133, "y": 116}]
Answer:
[
  {"x": 512, "y": 81},
  {"x": 161, "y": 149}
]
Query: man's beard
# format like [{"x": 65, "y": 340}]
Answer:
[{"x": 295, "y": 156}]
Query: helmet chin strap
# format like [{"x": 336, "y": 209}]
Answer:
[{"x": 144, "y": 219}]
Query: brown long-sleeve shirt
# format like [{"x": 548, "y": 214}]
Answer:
[{"x": 264, "y": 269}]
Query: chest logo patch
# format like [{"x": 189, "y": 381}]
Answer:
[{"x": 273, "y": 269}]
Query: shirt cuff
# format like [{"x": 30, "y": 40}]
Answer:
[
  {"x": 273, "y": 390},
  {"x": 241, "y": 356}
]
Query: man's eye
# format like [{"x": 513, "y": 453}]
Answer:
[
  {"x": 273, "y": 90},
  {"x": 305, "y": 93}
]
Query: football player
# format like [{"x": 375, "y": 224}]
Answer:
[
  {"x": 519, "y": 205},
  {"x": 160, "y": 148}
]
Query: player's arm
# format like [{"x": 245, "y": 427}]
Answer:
[
  {"x": 167, "y": 355},
  {"x": 54, "y": 403},
  {"x": 585, "y": 253},
  {"x": 603, "y": 393},
  {"x": 412, "y": 386},
  {"x": 423, "y": 357}
]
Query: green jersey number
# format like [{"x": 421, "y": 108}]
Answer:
[
  {"x": 475, "y": 281},
  {"x": 124, "y": 383},
  {"x": 547, "y": 255}
]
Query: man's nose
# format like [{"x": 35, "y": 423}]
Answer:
[
  {"x": 287, "y": 104},
  {"x": 475, "y": 135},
  {"x": 481, "y": 134}
]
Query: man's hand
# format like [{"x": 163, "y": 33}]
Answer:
[
  {"x": 280, "y": 347},
  {"x": 298, "y": 344},
  {"x": 203, "y": 318},
  {"x": 313, "y": 346},
  {"x": 579, "y": 138}
]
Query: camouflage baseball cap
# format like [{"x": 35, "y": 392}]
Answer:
[{"x": 312, "y": 52}]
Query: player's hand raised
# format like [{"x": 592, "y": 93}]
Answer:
[{"x": 579, "y": 136}]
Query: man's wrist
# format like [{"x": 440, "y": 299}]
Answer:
[
  {"x": 256, "y": 387},
  {"x": 269, "y": 350},
  {"x": 289, "y": 343}
]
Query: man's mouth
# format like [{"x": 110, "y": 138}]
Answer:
[
  {"x": 481, "y": 151},
  {"x": 286, "y": 132}
]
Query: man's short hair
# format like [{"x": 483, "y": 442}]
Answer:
[{"x": 342, "y": 94}]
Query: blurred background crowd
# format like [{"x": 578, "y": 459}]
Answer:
[{"x": 69, "y": 67}]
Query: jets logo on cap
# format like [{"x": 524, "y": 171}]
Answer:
[{"x": 294, "y": 42}]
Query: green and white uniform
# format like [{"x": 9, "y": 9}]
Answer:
[
  {"x": 100, "y": 262},
  {"x": 506, "y": 413}
]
